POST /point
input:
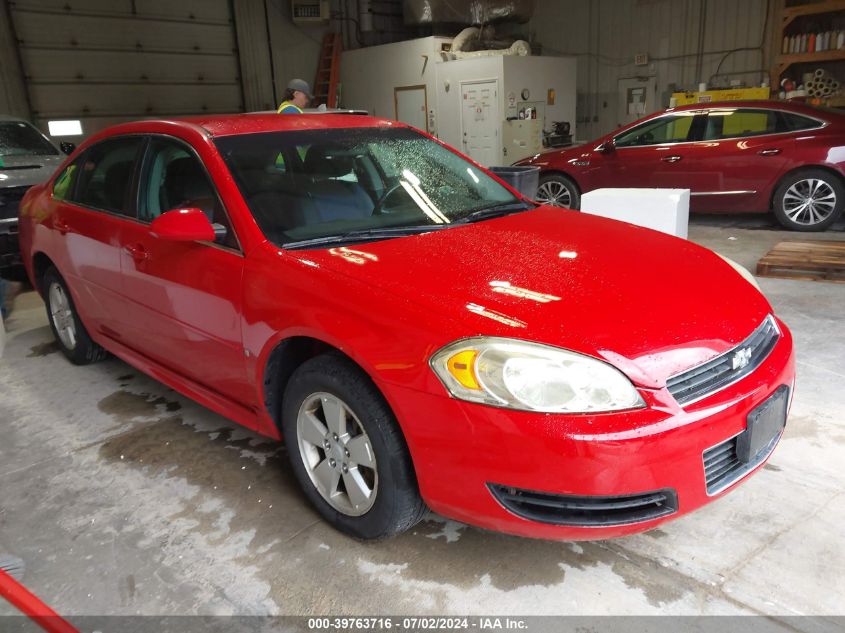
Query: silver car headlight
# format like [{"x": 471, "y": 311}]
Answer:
[
  {"x": 532, "y": 377},
  {"x": 743, "y": 271}
]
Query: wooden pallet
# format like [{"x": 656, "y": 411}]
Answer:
[{"x": 814, "y": 261}]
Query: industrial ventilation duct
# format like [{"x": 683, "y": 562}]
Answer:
[{"x": 467, "y": 11}]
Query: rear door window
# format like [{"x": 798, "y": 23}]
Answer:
[
  {"x": 740, "y": 123},
  {"x": 791, "y": 122},
  {"x": 106, "y": 175}
]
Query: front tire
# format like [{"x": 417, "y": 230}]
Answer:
[
  {"x": 73, "y": 338},
  {"x": 558, "y": 190},
  {"x": 347, "y": 451},
  {"x": 809, "y": 200}
]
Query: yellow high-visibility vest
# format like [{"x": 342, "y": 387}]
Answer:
[{"x": 288, "y": 104}]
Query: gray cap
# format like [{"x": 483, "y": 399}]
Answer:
[{"x": 301, "y": 85}]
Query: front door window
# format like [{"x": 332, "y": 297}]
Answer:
[
  {"x": 666, "y": 129},
  {"x": 174, "y": 178}
]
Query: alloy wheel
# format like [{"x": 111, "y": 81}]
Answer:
[
  {"x": 554, "y": 193},
  {"x": 337, "y": 454},
  {"x": 62, "y": 315},
  {"x": 809, "y": 201}
]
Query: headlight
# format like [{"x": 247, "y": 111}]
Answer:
[
  {"x": 532, "y": 377},
  {"x": 743, "y": 271}
]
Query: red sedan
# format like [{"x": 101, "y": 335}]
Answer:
[
  {"x": 419, "y": 334},
  {"x": 750, "y": 156}
]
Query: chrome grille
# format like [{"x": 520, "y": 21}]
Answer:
[
  {"x": 724, "y": 370},
  {"x": 10, "y": 198}
]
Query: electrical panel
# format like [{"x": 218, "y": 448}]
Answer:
[{"x": 310, "y": 11}]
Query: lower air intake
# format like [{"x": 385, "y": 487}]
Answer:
[{"x": 586, "y": 511}]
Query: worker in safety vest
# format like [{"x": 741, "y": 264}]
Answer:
[{"x": 297, "y": 96}]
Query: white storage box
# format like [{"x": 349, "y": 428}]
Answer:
[{"x": 664, "y": 210}]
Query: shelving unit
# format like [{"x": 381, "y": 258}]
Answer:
[{"x": 786, "y": 17}]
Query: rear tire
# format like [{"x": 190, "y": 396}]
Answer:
[
  {"x": 347, "y": 450},
  {"x": 71, "y": 335},
  {"x": 809, "y": 200},
  {"x": 558, "y": 190}
]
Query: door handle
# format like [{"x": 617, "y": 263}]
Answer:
[
  {"x": 671, "y": 159},
  {"x": 773, "y": 151},
  {"x": 61, "y": 226},
  {"x": 137, "y": 252}
]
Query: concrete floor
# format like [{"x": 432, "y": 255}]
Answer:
[{"x": 124, "y": 498}]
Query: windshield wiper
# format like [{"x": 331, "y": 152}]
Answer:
[
  {"x": 497, "y": 211},
  {"x": 363, "y": 235}
]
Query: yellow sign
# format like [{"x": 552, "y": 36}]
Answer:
[{"x": 735, "y": 94}]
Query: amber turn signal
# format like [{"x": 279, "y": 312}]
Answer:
[{"x": 462, "y": 368}]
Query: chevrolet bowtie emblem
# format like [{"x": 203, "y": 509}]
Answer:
[{"x": 741, "y": 358}]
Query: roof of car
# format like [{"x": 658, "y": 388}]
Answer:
[
  {"x": 230, "y": 124},
  {"x": 791, "y": 106}
]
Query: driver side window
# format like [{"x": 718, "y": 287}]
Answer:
[
  {"x": 174, "y": 178},
  {"x": 666, "y": 129}
]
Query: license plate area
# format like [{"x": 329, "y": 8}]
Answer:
[{"x": 763, "y": 425}]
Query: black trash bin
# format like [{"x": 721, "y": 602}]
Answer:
[{"x": 524, "y": 179}]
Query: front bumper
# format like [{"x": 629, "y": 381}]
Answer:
[{"x": 460, "y": 449}]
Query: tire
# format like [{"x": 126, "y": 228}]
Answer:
[
  {"x": 372, "y": 454},
  {"x": 825, "y": 193},
  {"x": 558, "y": 190},
  {"x": 73, "y": 338}
]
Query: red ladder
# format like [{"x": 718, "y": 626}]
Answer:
[{"x": 328, "y": 71}]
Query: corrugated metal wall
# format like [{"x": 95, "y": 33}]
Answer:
[
  {"x": 254, "y": 54},
  {"x": 13, "y": 98},
  {"x": 688, "y": 41},
  {"x": 112, "y": 60}
]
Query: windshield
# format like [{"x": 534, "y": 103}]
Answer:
[
  {"x": 321, "y": 183},
  {"x": 18, "y": 138}
]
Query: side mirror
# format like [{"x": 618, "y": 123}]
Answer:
[
  {"x": 183, "y": 225},
  {"x": 66, "y": 147},
  {"x": 607, "y": 147}
]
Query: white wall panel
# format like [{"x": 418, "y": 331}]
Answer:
[{"x": 606, "y": 34}]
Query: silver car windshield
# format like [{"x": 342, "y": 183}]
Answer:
[
  {"x": 18, "y": 138},
  {"x": 357, "y": 183}
]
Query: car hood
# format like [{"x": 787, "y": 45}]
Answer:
[
  {"x": 22, "y": 171},
  {"x": 650, "y": 304}
]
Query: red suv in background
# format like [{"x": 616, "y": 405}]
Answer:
[{"x": 749, "y": 156}]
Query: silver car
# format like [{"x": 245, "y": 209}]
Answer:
[{"x": 27, "y": 157}]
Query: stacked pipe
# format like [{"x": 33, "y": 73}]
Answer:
[{"x": 821, "y": 84}]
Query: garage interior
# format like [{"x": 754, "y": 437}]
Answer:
[{"x": 122, "y": 497}]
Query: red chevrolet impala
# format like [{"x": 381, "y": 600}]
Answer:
[
  {"x": 419, "y": 334},
  {"x": 750, "y": 156}
]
